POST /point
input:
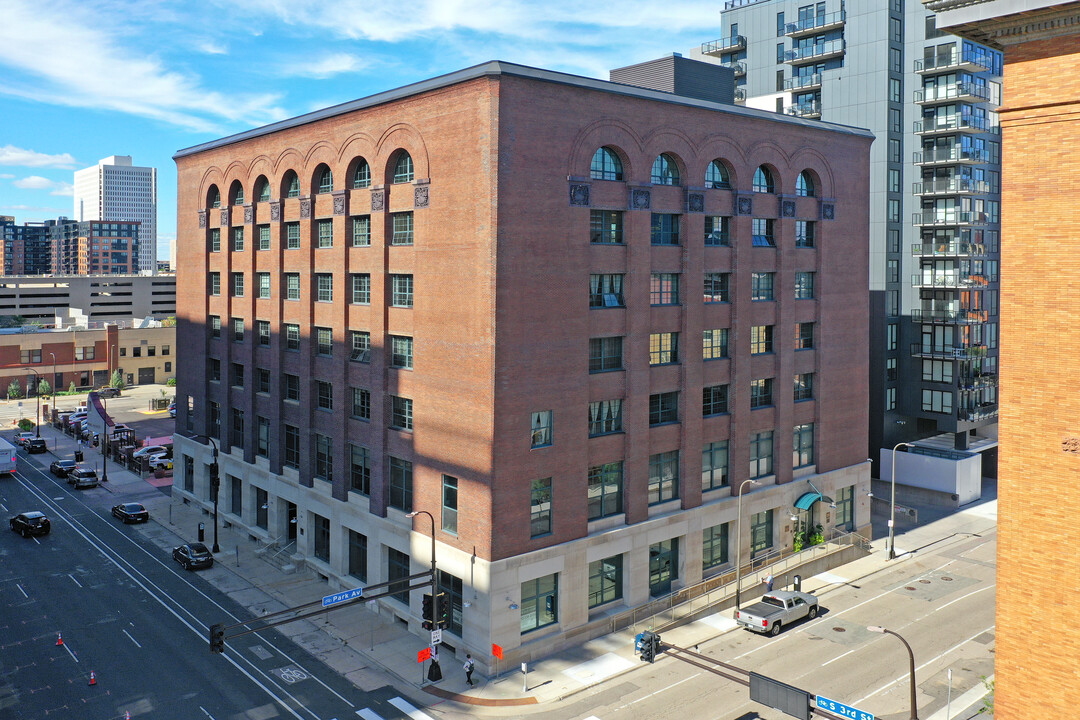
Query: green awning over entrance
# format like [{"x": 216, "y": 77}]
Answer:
[{"x": 807, "y": 500}]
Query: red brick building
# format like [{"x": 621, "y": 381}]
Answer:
[{"x": 478, "y": 296}]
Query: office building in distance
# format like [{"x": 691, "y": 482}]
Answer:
[
  {"x": 116, "y": 191},
  {"x": 25, "y": 249}
]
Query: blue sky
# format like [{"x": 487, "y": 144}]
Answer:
[{"x": 83, "y": 80}]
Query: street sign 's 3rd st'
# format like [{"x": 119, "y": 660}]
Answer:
[{"x": 842, "y": 710}]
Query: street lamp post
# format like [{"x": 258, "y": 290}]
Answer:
[
  {"x": 892, "y": 502},
  {"x": 37, "y": 396},
  {"x": 911, "y": 665},
  {"x": 738, "y": 545},
  {"x": 215, "y": 486}
]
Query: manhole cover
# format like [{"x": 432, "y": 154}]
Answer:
[
  {"x": 947, "y": 579},
  {"x": 908, "y": 587},
  {"x": 839, "y": 629},
  {"x": 925, "y": 582}
]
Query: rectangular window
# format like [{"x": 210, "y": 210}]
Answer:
[
  {"x": 714, "y": 400},
  {"x": 714, "y": 550},
  {"x": 324, "y": 342},
  {"x": 401, "y": 409},
  {"x": 324, "y": 230},
  {"x": 264, "y": 236},
  {"x": 324, "y": 457},
  {"x": 403, "y": 229},
  {"x": 663, "y": 348},
  {"x": 542, "y": 427},
  {"x": 664, "y": 289},
  {"x": 717, "y": 287},
  {"x": 804, "y": 387},
  {"x": 605, "y": 416},
  {"x": 290, "y": 387},
  {"x": 761, "y": 285},
  {"x": 292, "y": 236},
  {"x": 665, "y": 229},
  {"x": 214, "y": 241},
  {"x": 890, "y": 369},
  {"x": 937, "y": 401},
  {"x": 804, "y": 286},
  {"x": 761, "y": 454},
  {"x": 762, "y": 232},
  {"x": 263, "y": 330},
  {"x": 324, "y": 394},
  {"x": 540, "y": 504},
  {"x": 802, "y": 452},
  {"x": 605, "y": 490},
  {"x": 663, "y": 408},
  {"x": 605, "y": 354},
  {"x": 263, "y": 280},
  {"x": 238, "y": 239},
  {"x": 761, "y": 532},
  {"x": 398, "y": 568},
  {"x": 358, "y": 549},
  {"x": 361, "y": 289},
  {"x": 292, "y": 286},
  {"x": 714, "y": 465},
  {"x": 761, "y": 339},
  {"x": 605, "y": 291},
  {"x": 449, "y": 504},
  {"x": 359, "y": 469},
  {"x": 237, "y": 330},
  {"x": 238, "y": 284},
  {"x": 361, "y": 404},
  {"x": 761, "y": 393},
  {"x": 262, "y": 444},
  {"x": 324, "y": 287},
  {"x": 359, "y": 346},
  {"x": 891, "y": 332},
  {"x": 804, "y": 336},
  {"x": 213, "y": 369},
  {"x": 539, "y": 603},
  {"x": 606, "y": 227},
  {"x": 717, "y": 230},
  {"x": 213, "y": 283},
  {"x": 401, "y": 484},
  {"x": 401, "y": 291},
  {"x": 715, "y": 344},
  {"x": 262, "y": 380},
  {"x": 215, "y": 421},
  {"x": 236, "y": 431},
  {"x": 401, "y": 352},
  {"x": 804, "y": 233},
  {"x": 605, "y": 581},
  {"x": 890, "y": 398},
  {"x": 663, "y": 477},
  {"x": 292, "y": 337},
  {"x": 361, "y": 231},
  {"x": 237, "y": 375}
]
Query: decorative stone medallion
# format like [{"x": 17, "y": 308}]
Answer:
[
  {"x": 695, "y": 202},
  {"x": 828, "y": 211},
  {"x": 580, "y": 194},
  {"x": 224, "y": 217},
  {"x": 640, "y": 199},
  {"x": 421, "y": 196},
  {"x": 275, "y": 210},
  {"x": 378, "y": 200},
  {"x": 249, "y": 214},
  {"x": 787, "y": 208},
  {"x": 744, "y": 205},
  {"x": 339, "y": 202},
  {"x": 305, "y": 208},
  {"x": 202, "y": 218}
]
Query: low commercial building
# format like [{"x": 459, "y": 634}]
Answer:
[{"x": 89, "y": 300}]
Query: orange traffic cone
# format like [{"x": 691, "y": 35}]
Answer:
[
  {"x": 127, "y": 715},
  {"x": 93, "y": 680},
  {"x": 59, "y": 640}
]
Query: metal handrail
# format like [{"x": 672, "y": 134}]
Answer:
[
  {"x": 815, "y": 50},
  {"x": 812, "y": 23},
  {"x": 723, "y": 45},
  {"x": 687, "y": 601}
]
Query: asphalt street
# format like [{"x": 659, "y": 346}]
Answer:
[{"x": 131, "y": 616}]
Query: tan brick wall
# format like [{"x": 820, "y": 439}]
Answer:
[{"x": 1038, "y": 640}]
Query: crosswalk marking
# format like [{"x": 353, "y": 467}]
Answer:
[
  {"x": 368, "y": 714},
  {"x": 409, "y": 710}
]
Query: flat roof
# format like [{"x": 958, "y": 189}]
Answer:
[{"x": 499, "y": 67}]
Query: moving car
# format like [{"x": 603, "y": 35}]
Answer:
[
  {"x": 30, "y": 523},
  {"x": 162, "y": 461},
  {"x": 193, "y": 556},
  {"x": 61, "y": 468},
  {"x": 108, "y": 392},
  {"x": 82, "y": 478},
  {"x": 22, "y": 437},
  {"x": 36, "y": 445},
  {"x": 777, "y": 609},
  {"x": 172, "y": 409},
  {"x": 150, "y": 450},
  {"x": 131, "y": 513}
]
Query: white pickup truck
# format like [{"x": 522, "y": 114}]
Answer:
[{"x": 776, "y": 610}]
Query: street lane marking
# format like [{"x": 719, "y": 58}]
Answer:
[
  {"x": 988, "y": 587},
  {"x": 22, "y": 591},
  {"x": 131, "y": 638},
  {"x": 409, "y": 710},
  {"x": 74, "y": 580},
  {"x": 73, "y": 655},
  {"x": 206, "y": 712},
  {"x": 653, "y": 693},
  {"x": 840, "y": 656},
  {"x": 368, "y": 714},
  {"x": 934, "y": 659},
  {"x": 34, "y": 538}
]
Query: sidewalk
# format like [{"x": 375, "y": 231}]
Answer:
[{"x": 366, "y": 647}]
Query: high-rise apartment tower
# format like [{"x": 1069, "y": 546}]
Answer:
[{"x": 114, "y": 190}]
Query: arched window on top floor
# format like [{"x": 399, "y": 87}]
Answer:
[
  {"x": 763, "y": 180},
  {"x": 804, "y": 185},
  {"x": 291, "y": 185},
  {"x": 326, "y": 180},
  {"x": 606, "y": 165},
  {"x": 717, "y": 176},
  {"x": 403, "y": 168},
  {"x": 362, "y": 174},
  {"x": 262, "y": 189},
  {"x": 665, "y": 171},
  {"x": 213, "y": 197},
  {"x": 237, "y": 192}
]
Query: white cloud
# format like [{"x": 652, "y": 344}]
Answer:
[
  {"x": 63, "y": 188},
  {"x": 36, "y": 182},
  {"x": 90, "y": 64},
  {"x": 326, "y": 66},
  {"x": 6, "y": 176},
  {"x": 212, "y": 48},
  {"x": 11, "y": 155}
]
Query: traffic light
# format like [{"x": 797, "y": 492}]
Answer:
[
  {"x": 217, "y": 638},
  {"x": 215, "y": 479},
  {"x": 442, "y": 609},
  {"x": 428, "y": 613},
  {"x": 650, "y": 646}
]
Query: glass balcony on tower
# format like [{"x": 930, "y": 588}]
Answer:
[
  {"x": 737, "y": 67},
  {"x": 815, "y": 52},
  {"x": 953, "y": 249},
  {"x": 817, "y": 24},
  {"x": 932, "y": 351},
  {"x": 806, "y": 82},
  {"x": 724, "y": 46},
  {"x": 958, "y": 123},
  {"x": 949, "y": 218},
  {"x": 951, "y": 186},
  {"x": 949, "y": 317},
  {"x": 952, "y": 154},
  {"x": 955, "y": 279},
  {"x": 970, "y": 60},
  {"x": 955, "y": 91},
  {"x": 811, "y": 109}
]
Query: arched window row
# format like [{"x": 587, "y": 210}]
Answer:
[
  {"x": 400, "y": 169},
  {"x": 607, "y": 164}
]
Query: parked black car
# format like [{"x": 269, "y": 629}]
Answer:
[
  {"x": 30, "y": 523},
  {"x": 131, "y": 513},
  {"x": 193, "y": 556},
  {"x": 83, "y": 477},
  {"x": 61, "y": 468},
  {"x": 36, "y": 445},
  {"x": 108, "y": 392}
]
